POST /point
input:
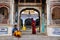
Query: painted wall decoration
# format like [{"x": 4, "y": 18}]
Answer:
[
  {"x": 3, "y": 30},
  {"x": 56, "y": 31},
  {"x": 53, "y": 31},
  {"x": 43, "y": 26}
]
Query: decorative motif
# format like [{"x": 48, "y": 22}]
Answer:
[{"x": 1, "y": 18}]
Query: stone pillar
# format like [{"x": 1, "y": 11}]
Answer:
[
  {"x": 18, "y": 18},
  {"x": 48, "y": 13},
  {"x": 11, "y": 12}
]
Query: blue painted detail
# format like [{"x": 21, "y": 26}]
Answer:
[
  {"x": 14, "y": 29},
  {"x": 43, "y": 27},
  {"x": 3, "y": 30},
  {"x": 56, "y": 31}
]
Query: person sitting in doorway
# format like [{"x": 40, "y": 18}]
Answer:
[{"x": 14, "y": 29}]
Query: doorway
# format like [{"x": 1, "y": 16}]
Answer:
[{"x": 26, "y": 16}]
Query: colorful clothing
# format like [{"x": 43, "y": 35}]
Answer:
[
  {"x": 14, "y": 29},
  {"x": 33, "y": 27}
]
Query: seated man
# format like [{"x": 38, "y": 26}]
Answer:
[{"x": 14, "y": 29}]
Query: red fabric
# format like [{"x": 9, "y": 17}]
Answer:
[{"x": 33, "y": 27}]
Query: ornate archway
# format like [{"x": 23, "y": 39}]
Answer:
[
  {"x": 55, "y": 15},
  {"x": 29, "y": 9},
  {"x": 4, "y": 15}
]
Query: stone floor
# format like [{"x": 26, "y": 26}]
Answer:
[
  {"x": 30, "y": 37},
  {"x": 27, "y": 35}
]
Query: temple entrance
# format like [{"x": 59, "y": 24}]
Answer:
[
  {"x": 26, "y": 16},
  {"x": 3, "y": 15}
]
